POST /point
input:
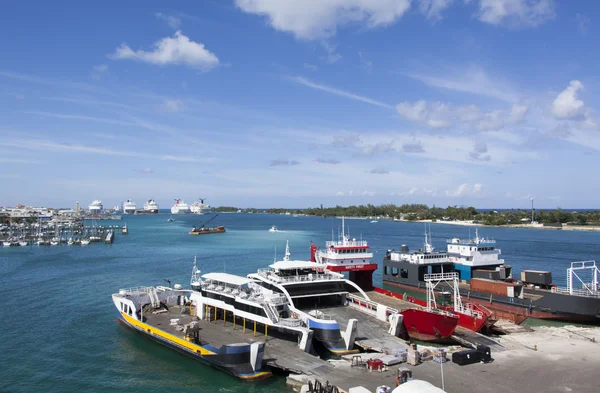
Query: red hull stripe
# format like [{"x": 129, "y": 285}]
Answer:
[{"x": 351, "y": 268}]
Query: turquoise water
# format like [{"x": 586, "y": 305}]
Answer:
[{"x": 59, "y": 331}]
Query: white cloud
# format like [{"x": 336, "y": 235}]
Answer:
[
  {"x": 181, "y": 158},
  {"x": 366, "y": 65},
  {"x": 338, "y": 92},
  {"x": 516, "y": 13},
  {"x": 479, "y": 152},
  {"x": 567, "y": 105},
  {"x": 377, "y": 149},
  {"x": 283, "y": 162},
  {"x": 311, "y": 67},
  {"x": 101, "y": 68},
  {"x": 346, "y": 140},
  {"x": 145, "y": 170},
  {"x": 331, "y": 161},
  {"x": 315, "y": 19},
  {"x": 173, "y": 21},
  {"x": 442, "y": 115},
  {"x": 413, "y": 147},
  {"x": 432, "y": 9},
  {"x": 379, "y": 171},
  {"x": 473, "y": 81},
  {"x": 466, "y": 190},
  {"x": 173, "y": 105},
  {"x": 178, "y": 50},
  {"x": 332, "y": 56},
  {"x": 434, "y": 115}
]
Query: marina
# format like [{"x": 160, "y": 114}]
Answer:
[{"x": 372, "y": 340}]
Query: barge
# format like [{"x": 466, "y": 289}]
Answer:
[
  {"x": 206, "y": 231},
  {"x": 486, "y": 282}
]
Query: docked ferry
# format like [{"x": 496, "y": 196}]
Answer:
[
  {"x": 169, "y": 316},
  {"x": 486, "y": 281},
  {"x": 354, "y": 257}
]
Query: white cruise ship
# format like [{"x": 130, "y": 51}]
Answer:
[
  {"x": 151, "y": 206},
  {"x": 95, "y": 207},
  {"x": 129, "y": 207},
  {"x": 180, "y": 207},
  {"x": 199, "y": 207}
]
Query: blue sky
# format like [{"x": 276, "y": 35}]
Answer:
[{"x": 296, "y": 103}]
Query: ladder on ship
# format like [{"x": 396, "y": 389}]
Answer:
[
  {"x": 271, "y": 313},
  {"x": 154, "y": 300}
]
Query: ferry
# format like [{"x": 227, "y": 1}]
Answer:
[
  {"x": 487, "y": 282},
  {"x": 173, "y": 317},
  {"x": 129, "y": 207},
  {"x": 354, "y": 257},
  {"x": 311, "y": 290},
  {"x": 151, "y": 206},
  {"x": 180, "y": 207},
  {"x": 95, "y": 207}
]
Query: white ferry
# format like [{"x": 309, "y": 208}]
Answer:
[{"x": 180, "y": 207}]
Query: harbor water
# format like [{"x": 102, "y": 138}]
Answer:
[{"x": 59, "y": 327}]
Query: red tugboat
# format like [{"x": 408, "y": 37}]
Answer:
[{"x": 353, "y": 256}]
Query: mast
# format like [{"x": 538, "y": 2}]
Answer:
[{"x": 287, "y": 251}]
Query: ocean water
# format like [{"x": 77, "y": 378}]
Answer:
[{"x": 59, "y": 332}]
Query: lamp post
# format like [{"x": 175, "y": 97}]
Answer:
[{"x": 532, "y": 212}]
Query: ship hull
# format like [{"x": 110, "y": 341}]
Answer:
[
  {"x": 428, "y": 325},
  {"x": 232, "y": 360},
  {"x": 151, "y": 211},
  {"x": 329, "y": 337},
  {"x": 551, "y": 306},
  {"x": 208, "y": 232}
]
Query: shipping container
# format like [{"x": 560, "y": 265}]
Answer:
[
  {"x": 487, "y": 274},
  {"x": 495, "y": 287},
  {"x": 536, "y": 277}
]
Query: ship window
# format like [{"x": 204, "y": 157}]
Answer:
[
  {"x": 395, "y": 271},
  {"x": 403, "y": 273},
  {"x": 386, "y": 270}
]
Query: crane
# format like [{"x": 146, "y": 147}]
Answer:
[{"x": 206, "y": 222}]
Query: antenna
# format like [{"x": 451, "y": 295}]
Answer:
[{"x": 275, "y": 255}]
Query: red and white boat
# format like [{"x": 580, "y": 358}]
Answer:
[{"x": 354, "y": 256}]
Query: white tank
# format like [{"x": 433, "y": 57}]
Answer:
[
  {"x": 177, "y": 286},
  {"x": 417, "y": 386},
  {"x": 122, "y": 292}
]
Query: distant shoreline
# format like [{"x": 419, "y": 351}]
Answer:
[{"x": 525, "y": 226}]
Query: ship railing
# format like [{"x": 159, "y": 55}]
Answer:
[
  {"x": 347, "y": 243},
  {"x": 271, "y": 275},
  {"x": 576, "y": 292},
  {"x": 136, "y": 291},
  {"x": 291, "y": 322},
  {"x": 366, "y": 305}
]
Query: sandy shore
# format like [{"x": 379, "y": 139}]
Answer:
[{"x": 527, "y": 226}]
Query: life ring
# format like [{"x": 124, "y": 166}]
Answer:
[{"x": 294, "y": 316}]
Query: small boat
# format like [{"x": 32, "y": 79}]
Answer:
[
  {"x": 273, "y": 229},
  {"x": 70, "y": 242},
  {"x": 85, "y": 242},
  {"x": 374, "y": 221},
  {"x": 40, "y": 242},
  {"x": 171, "y": 219},
  {"x": 23, "y": 243},
  {"x": 54, "y": 242},
  {"x": 7, "y": 243}
]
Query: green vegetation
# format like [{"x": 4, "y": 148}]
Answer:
[{"x": 413, "y": 212}]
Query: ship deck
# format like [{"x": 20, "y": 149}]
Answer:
[
  {"x": 162, "y": 320},
  {"x": 371, "y": 333}
]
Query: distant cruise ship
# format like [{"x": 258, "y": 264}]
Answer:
[
  {"x": 199, "y": 207},
  {"x": 151, "y": 206},
  {"x": 180, "y": 207},
  {"x": 95, "y": 207},
  {"x": 129, "y": 207}
]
